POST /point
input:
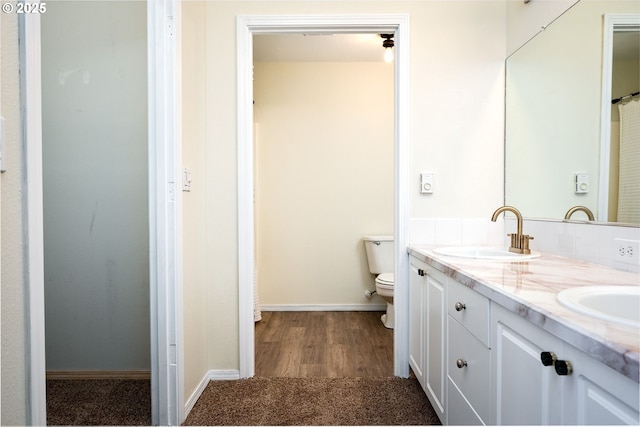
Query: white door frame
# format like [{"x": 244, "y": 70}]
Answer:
[
  {"x": 165, "y": 210},
  {"x": 31, "y": 112},
  {"x": 246, "y": 27},
  {"x": 165, "y": 214}
]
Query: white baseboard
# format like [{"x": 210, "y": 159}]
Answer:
[
  {"x": 213, "y": 375},
  {"x": 323, "y": 307},
  {"x": 99, "y": 375}
]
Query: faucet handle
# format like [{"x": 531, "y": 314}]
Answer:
[{"x": 525, "y": 243}]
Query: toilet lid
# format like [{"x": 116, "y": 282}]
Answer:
[{"x": 385, "y": 278}]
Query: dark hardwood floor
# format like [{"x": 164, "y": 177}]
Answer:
[{"x": 323, "y": 344}]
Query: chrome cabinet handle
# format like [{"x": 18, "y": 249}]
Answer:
[
  {"x": 461, "y": 363},
  {"x": 459, "y": 306}
]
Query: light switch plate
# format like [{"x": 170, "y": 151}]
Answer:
[
  {"x": 186, "y": 179},
  {"x": 582, "y": 183},
  {"x": 426, "y": 182}
]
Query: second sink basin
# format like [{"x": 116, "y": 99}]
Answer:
[
  {"x": 484, "y": 252},
  {"x": 618, "y": 304}
]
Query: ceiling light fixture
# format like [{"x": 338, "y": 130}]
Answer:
[{"x": 387, "y": 44}]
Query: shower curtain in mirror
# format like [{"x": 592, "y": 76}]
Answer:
[{"x": 629, "y": 186}]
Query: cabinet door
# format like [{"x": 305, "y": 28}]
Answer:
[
  {"x": 416, "y": 319},
  {"x": 596, "y": 394},
  {"x": 460, "y": 411},
  {"x": 435, "y": 375},
  {"x": 525, "y": 391}
]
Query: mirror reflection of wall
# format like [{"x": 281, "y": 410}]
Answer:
[
  {"x": 625, "y": 80},
  {"x": 553, "y": 109}
]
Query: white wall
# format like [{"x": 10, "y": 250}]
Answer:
[
  {"x": 13, "y": 311},
  {"x": 324, "y": 178},
  {"x": 525, "y": 20},
  {"x": 94, "y": 85},
  {"x": 457, "y": 100},
  {"x": 456, "y": 128}
]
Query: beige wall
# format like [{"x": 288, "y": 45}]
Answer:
[
  {"x": 199, "y": 298},
  {"x": 14, "y": 336},
  {"x": 456, "y": 80},
  {"x": 324, "y": 152},
  {"x": 456, "y": 130}
]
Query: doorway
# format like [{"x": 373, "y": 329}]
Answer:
[
  {"x": 247, "y": 27},
  {"x": 95, "y": 195},
  {"x": 323, "y": 149},
  {"x": 164, "y": 213}
]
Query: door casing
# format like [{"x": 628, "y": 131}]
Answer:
[{"x": 247, "y": 26}]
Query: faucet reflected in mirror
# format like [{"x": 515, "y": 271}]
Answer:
[
  {"x": 519, "y": 241},
  {"x": 584, "y": 209}
]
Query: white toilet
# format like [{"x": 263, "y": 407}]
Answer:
[{"x": 380, "y": 257}]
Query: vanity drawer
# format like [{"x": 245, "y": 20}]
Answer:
[
  {"x": 470, "y": 309},
  {"x": 469, "y": 367}
]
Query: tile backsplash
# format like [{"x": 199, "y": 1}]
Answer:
[
  {"x": 456, "y": 231},
  {"x": 588, "y": 242}
]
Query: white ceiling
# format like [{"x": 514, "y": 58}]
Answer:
[{"x": 318, "y": 48}]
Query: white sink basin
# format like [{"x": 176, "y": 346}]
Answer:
[
  {"x": 618, "y": 304},
  {"x": 484, "y": 252}
]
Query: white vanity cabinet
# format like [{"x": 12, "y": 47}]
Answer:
[
  {"x": 427, "y": 331},
  {"x": 526, "y": 391},
  {"x": 481, "y": 363},
  {"x": 596, "y": 394},
  {"x": 468, "y": 357},
  {"x": 417, "y": 322}
]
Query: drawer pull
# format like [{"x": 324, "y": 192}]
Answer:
[
  {"x": 548, "y": 358},
  {"x": 459, "y": 306},
  {"x": 461, "y": 363},
  {"x": 563, "y": 367}
]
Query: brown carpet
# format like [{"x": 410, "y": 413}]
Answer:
[
  {"x": 254, "y": 401},
  {"x": 313, "y": 401},
  {"x": 99, "y": 402}
]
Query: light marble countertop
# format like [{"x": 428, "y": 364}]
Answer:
[{"x": 529, "y": 288}]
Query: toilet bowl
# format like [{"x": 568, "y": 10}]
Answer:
[
  {"x": 380, "y": 257},
  {"x": 384, "y": 288}
]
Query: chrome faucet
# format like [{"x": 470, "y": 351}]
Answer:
[
  {"x": 580, "y": 208},
  {"x": 519, "y": 241}
]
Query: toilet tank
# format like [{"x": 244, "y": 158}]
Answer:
[{"x": 380, "y": 254}]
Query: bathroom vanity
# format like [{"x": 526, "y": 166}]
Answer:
[{"x": 491, "y": 344}]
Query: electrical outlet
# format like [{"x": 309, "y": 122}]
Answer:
[{"x": 628, "y": 251}]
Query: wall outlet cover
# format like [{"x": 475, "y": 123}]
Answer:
[{"x": 627, "y": 251}]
